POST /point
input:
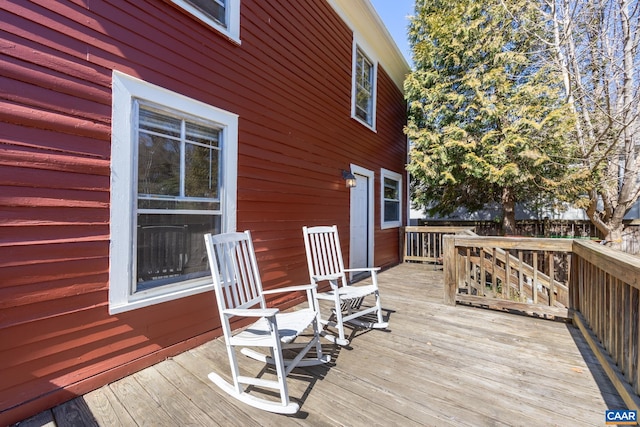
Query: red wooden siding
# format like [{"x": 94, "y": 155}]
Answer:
[{"x": 290, "y": 83}]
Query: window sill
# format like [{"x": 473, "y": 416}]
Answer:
[
  {"x": 388, "y": 225},
  {"x": 157, "y": 296},
  {"x": 365, "y": 124}
]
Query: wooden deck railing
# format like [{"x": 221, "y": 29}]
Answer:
[
  {"x": 510, "y": 273},
  {"x": 605, "y": 294},
  {"x": 595, "y": 287},
  {"x": 425, "y": 244}
]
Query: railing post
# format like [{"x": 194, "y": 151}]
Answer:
[
  {"x": 403, "y": 245},
  {"x": 449, "y": 265}
]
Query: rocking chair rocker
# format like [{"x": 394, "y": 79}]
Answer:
[
  {"x": 324, "y": 259},
  {"x": 239, "y": 293}
]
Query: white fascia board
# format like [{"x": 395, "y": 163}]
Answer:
[{"x": 372, "y": 34}]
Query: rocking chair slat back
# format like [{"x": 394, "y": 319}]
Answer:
[
  {"x": 324, "y": 251},
  {"x": 240, "y": 285}
]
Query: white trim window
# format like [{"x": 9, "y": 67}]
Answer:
[
  {"x": 173, "y": 179},
  {"x": 363, "y": 100},
  {"x": 222, "y": 15},
  {"x": 391, "y": 199}
]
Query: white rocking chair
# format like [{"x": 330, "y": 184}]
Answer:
[
  {"x": 324, "y": 259},
  {"x": 239, "y": 293}
]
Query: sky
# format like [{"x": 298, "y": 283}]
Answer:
[{"x": 394, "y": 15}]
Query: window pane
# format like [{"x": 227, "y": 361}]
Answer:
[
  {"x": 201, "y": 171},
  {"x": 362, "y": 114},
  {"x": 213, "y": 8},
  {"x": 362, "y": 106},
  {"x": 171, "y": 248},
  {"x": 158, "y": 165},
  {"x": 364, "y": 73},
  {"x": 157, "y": 122},
  {"x": 390, "y": 189},
  {"x": 173, "y": 204},
  {"x": 364, "y": 88},
  {"x": 366, "y": 76},
  {"x": 204, "y": 135},
  {"x": 391, "y": 210},
  {"x": 178, "y": 171}
]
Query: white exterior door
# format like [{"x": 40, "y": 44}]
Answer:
[{"x": 361, "y": 219}]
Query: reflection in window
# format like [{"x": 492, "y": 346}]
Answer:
[
  {"x": 178, "y": 196},
  {"x": 391, "y": 199},
  {"x": 214, "y": 9},
  {"x": 364, "y": 88},
  {"x": 220, "y": 15}
]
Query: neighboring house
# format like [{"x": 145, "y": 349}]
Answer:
[
  {"x": 130, "y": 128},
  {"x": 490, "y": 213},
  {"x": 493, "y": 212}
]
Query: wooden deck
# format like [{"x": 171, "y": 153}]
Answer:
[{"x": 436, "y": 365}]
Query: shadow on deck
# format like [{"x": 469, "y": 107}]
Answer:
[{"x": 436, "y": 365}]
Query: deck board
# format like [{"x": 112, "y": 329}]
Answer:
[
  {"x": 436, "y": 365},
  {"x": 107, "y": 409}
]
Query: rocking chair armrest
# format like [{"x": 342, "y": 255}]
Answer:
[
  {"x": 251, "y": 312},
  {"x": 331, "y": 278},
  {"x": 290, "y": 289},
  {"x": 371, "y": 269},
  {"x": 327, "y": 277}
]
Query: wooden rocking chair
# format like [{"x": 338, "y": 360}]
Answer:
[
  {"x": 324, "y": 259},
  {"x": 239, "y": 293}
]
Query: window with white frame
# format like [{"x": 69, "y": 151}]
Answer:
[
  {"x": 364, "y": 88},
  {"x": 223, "y": 15},
  {"x": 391, "y": 199},
  {"x": 173, "y": 179}
]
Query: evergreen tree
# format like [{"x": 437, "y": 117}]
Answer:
[{"x": 486, "y": 118}]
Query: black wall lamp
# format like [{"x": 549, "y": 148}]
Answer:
[{"x": 349, "y": 179}]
